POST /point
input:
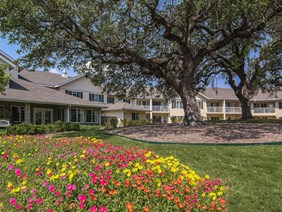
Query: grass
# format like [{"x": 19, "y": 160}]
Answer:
[
  {"x": 2, "y": 131},
  {"x": 252, "y": 173}
]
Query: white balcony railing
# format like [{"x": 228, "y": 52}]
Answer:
[
  {"x": 233, "y": 109},
  {"x": 144, "y": 106},
  {"x": 215, "y": 109},
  {"x": 160, "y": 108},
  {"x": 264, "y": 110}
]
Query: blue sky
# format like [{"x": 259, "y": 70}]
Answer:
[{"x": 11, "y": 50}]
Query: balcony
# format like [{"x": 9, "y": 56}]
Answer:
[
  {"x": 264, "y": 110},
  {"x": 144, "y": 106},
  {"x": 233, "y": 109},
  {"x": 214, "y": 109},
  {"x": 160, "y": 108}
]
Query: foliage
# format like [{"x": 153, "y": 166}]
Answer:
[
  {"x": 31, "y": 129},
  {"x": 4, "y": 78},
  {"x": 129, "y": 45},
  {"x": 88, "y": 174},
  {"x": 111, "y": 123},
  {"x": 128, "y": 123}
]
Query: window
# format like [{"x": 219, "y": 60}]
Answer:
[
  {"x": 280, "y": 105},
  {"x": 200, "y": 104},
  {"x": 177, "y": 104},
  {"x": 17, "y": 114},
  {"x": 77, "y": 115},
  {"x": 2, "y": 111},
  {"x": 126, "y": 101},
  {"x": 214, "y": 118},
  {"x": 135, "y": 116},
  {"x": 75, "y": 93},
  {"x": 92, "y": 116},
  {"x": 156, "y": 103},
  {"x": 96, "y": 97},
  {"x": 157, "y": 119},
  {"x": 110, "y": 100}
]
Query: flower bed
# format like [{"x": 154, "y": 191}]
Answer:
[{"x": 44, "y": 174}]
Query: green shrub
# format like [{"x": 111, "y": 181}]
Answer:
[
  {"x": 111, "y": 123},
  {"x": 25, "y": 129},
  {"x": 31, "y": 129}
]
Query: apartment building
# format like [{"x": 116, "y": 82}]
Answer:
[{"x": 42, "y": 97}]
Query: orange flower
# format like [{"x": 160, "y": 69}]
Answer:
[
  {"x": 129, "y": 207},
  {"x": 146, "y": 208},
  {"x": 219, "y": 208},
  {"x": 118, "y": 184},
  {"x": 176, "y": 200},
  {"x": 147, "y": 190},
  {"x": 180, "y": 205},
  {"x": 204, "y": 207}
]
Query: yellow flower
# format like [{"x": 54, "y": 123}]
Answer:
[
  {"x": 24, "y": 182},
  {"x": 15, "y": 190},
  {"x": 207, "y": 177},
  {"x": 107, "y": 164},
  {"x": 9, "y": 184}
]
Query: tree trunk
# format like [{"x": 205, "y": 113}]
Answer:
[
  {"x": 245, "y": 107},
  {"x": 192, "y": 115}
]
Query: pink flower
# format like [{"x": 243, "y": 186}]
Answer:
[
  {"x": 81, "y": 205},
  {"x": 30, "y": 200},
  {"x": 103, "y": 182},
  {"x": 58, "y": 193},
  {"x": 18, "y": 207},
  {"x": 82, "y": 198},
  {"x": 93, "y": 209},
  {"x": 11, "y": 167},
  {"x": 29, "y": 207},
  {"x": 91, "y": 192},
  {"x": 45, "y": 183},
  {"x": 103, "y": 209},
  {"x": 40, "y": 200},
  {"x": 51, "y": 188},
  {"x": 68, "y": 193},
  {"x": 50, "y": 210},
  {"x": 18, "y": 172},
  {"x": 38, "y": 173},
  {"x": 13, "y": 201}
]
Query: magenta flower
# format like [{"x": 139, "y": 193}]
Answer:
[
  {"x": 13, "y": 201},
  {"x": 58, "y": 193},
  {"x": 29, "y": 207},
  {"x": 45, "y": 183},
  {"x": 103, "y": 182},
  {"x": 40, "y": 200},
  {"x": 81, "y": 205},
  {"x": 11, "y": 167},
  {"x": 93, "y": 209},
  {"x": 82, "y": 198},
  {"x": 51, "y": 188},
  {"x": 91, "y": 192},
  {"x": 103, "y": 209},
  {"x": 18, "y": 207},
  {"x": 18, "y": 172}
]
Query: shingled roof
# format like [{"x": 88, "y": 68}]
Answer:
[
  {"x": 22, "y": 90},
  {"x": 47, "y": 79}
]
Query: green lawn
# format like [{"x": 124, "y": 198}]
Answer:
[
  {"x": 2, "y": 131},
  {"x": 253, "y": 174}
]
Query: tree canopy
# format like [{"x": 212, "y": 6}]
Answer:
[
  {"x": 4, "y": 79},
  {"x": 134, "y": 43}
]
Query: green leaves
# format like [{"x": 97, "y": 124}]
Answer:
[{"x": 4, "y": 78}]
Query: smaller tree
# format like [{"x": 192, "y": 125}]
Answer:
[
  {"x": 249, "y": 66},
  {"x": 4, "y": 79}
]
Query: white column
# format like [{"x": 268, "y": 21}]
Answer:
[
  {"x": 27, "y": 113},
  {"x": 100, "y": 116},
  {"x": 151, "y": 108},
  {"x": 68, "y": 114},
  {"x": 224, "y": 111}
]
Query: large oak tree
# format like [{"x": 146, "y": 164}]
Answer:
[{"x": 134, "y": 43}]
